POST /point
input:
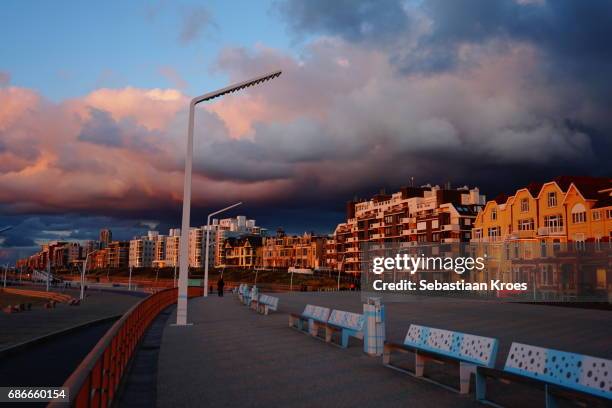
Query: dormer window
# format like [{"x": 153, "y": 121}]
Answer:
[{"x": 524, "y": 205}]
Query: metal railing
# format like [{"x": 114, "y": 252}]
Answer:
[{"x": 95, "y": 381}]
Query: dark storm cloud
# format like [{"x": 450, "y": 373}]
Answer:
[
  {"x": 368, "y": 20},
  {"x": 576, "y": 34}
]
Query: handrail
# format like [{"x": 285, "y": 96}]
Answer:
[{"x": 95, "y": 381}]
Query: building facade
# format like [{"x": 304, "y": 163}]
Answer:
[
  {"x": 410, "y": 217},
  {"x": 302, "y": 252}
]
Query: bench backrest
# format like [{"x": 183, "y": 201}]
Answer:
[
  {"x": 316, "y": 312},
  {"x": 466, "y": 347},
  {"x": 580, "y": 372},
  {"x": 271, "y": 301},
  {"x": 347, "y": 320}
]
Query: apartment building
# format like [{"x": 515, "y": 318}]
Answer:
[
  {"x": 242, "y": 252},
  {"x": 412, "y": 216},
  {"x": 142, "y": 251},
  {"x": 567, "y": 209},
  {"x": 118, "y": 254},
  {"x": 196, "y": 247},
  {"x": 106, "y": 237},
  {"x": 303, "y": 252},
  {"x": 173, "y": 242},
  {"x": 556, "y": 235}
]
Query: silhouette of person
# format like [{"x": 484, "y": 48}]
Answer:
[{"x": 220, "y": 285}]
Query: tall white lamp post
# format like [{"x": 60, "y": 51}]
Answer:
[
  {"x": 208, "y": 243},
  {"x": 181, "y": 309}
]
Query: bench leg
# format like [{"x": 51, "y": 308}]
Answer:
[
  {"x": 291, "y": 321},
  {"x": 328, "y": 335},
  {"x": 265, "y": 309},
  {"x": 419, "y": 364},
  {"x": 551, "y": 401},
  {"x": 386, "y": 355},
  {"x": 345, "y": 339},
  {"x": 465, "y": 375},
  {"x": 313, "y": 328},
  {"x": 481, "y": 387}
]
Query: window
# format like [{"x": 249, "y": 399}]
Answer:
[
  {"x": 554, "y": 223},
  {"x": 596, "y": 215},
  {"x": 579, "y": 243},
  {"x": 478, "y": 233},
  {"x": 494, "y": 214},
  {"x": 552, "y": 199},
  {"x": 578, "y": 214},
  {"x": 524, "y": 205},
  {"x": 601, "y": 278},
  {"x": 609, "y": 214},
  {"x": 494, "y": 232},
  {"x": 525, "y": 224},
  {"x": 543, "y": 251}
]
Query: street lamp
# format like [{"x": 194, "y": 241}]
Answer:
[
  {"x": 208, "y": 243},
  {"x": 181, "y": 309},
  {"x": 83, "y": 273}
]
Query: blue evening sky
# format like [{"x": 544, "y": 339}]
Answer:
[{"x": 66, "y": 49}]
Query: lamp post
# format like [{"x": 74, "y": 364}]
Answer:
[
  {"x": 181, "y": 309},
  {"x": 208, "y": 243},
  {"x": 83, "y": 271}
]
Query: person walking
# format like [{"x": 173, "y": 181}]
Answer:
[{"x": 220, "y": 285}]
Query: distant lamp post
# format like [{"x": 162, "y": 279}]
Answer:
[
  {"x": 181, "y": 309},
  {"x": 208, "y": 243},
  {"x": 83, "y": 272}
]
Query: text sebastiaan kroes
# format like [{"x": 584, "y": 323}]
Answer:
[{"x": 459, "y": 265}]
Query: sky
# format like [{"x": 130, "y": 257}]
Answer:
[{"x": 94, "y": 97}]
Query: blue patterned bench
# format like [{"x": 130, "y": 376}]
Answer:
[
  {"x": 429, "y": 344},
  {"x": 316, "y": 316},
  {"x": 243, "y": 291},
  {"x": 347, "y": 324},
  {"x": 267, "y": 303},
  {"x": 560, "y": 374}
]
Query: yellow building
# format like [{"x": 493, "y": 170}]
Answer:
[{"x": 555, "y": 235}]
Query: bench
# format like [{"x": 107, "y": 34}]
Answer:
[
  {"x": 562, "y": 375},
  {"x": 316, "y": 316},
  {"x": 253, "y": 298},
  {"x": 347, "y": 324},
  {"x": 267, "y": 303},
  {"x": 243, "y": 293},
  {"x": 444, "y": 346}
]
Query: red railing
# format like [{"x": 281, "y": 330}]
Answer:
[{"x": 95, "y": 381}]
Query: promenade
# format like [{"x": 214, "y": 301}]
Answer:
[{"x": 232, "y": 356}]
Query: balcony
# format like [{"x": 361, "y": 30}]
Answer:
[
  {"x": 376, "y": 225},
  {"x": 557, "y": 230},
  {"x": 450, "y": 240},
  {"x": 351, "y": 239},
  {"x": 451, "y": 227},
  {"x": 377, "y": 236},
  {"x": 352, "y": 249}
]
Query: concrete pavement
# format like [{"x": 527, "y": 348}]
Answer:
[{"x": 232, "y": 356}]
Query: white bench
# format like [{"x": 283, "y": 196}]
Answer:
[
  {"x": 267, "y": 303},
  {"x": 347, "y": 324},
  {"x": 563, "y": 375},
  {"x": 445, "y": 346},
  {"x": 253, "y": 297},
  {"x": 316, "y": 316}
]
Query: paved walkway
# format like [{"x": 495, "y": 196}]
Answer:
[
  {"x": 232, "y": 356},
  {"x": 24, "y": 326}
]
